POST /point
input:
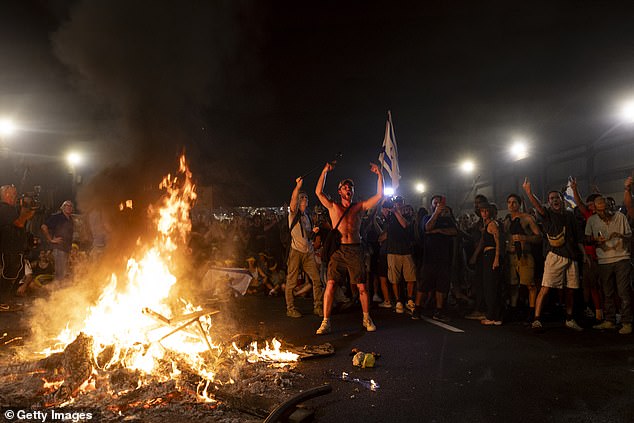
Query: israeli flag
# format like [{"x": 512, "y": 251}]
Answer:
[{"x": 389, "y": 153}]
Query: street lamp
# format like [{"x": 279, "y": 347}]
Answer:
[
  {"x": 627, "y": 112},
  {"x": 7, "y": 127},
  {"x": 467, "y": 166},
  {"x": 74, "y": 159},
  {"x": 519, "y": 150},
  {"x": 420, "y": 188}
]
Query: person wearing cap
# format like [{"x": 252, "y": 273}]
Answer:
[
  {"x": 58, "y": 231},
  {"x": 301, "y": 256},
  {"x": 348, "y": 259}
]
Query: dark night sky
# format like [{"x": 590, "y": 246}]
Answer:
[{"x": 260, "y": 92}]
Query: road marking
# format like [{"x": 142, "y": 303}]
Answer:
[{"x": 443, "y": 325}]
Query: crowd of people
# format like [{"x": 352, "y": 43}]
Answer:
[{"x": 537, "y": 259}]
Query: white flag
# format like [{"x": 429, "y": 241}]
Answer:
[
  {"x": 389, "y": 153},
  {"x": 569, "y": 196}
]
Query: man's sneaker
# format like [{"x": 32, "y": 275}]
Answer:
[
  {"x": 571, "y": 324},
  {"x": 626, "y": 329},
  {"x": 319, "y": 311},
  {"x": 368, "y": 324},
  {"x": 476, "y": 315},
  {"x": 606, "y": 324},
  {"x": 324, "y": 328},
  {"x": 376, "y": 298},
  {"x": 386, "y": 304},
  {"x": 399, "y": 307},
  {"x": 537, "y": 325},
  {"x": 439, "y": 316},
  {"x": 410, "y": 306},
  {"x": 487, "y": 322},
  {"x": 293, "y": 313},
  {"x": 416, "y": 313}
]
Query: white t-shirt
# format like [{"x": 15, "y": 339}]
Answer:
[{"x": 615, "y": 249}]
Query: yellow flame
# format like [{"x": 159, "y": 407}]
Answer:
[{"x": 138, "y": 341}]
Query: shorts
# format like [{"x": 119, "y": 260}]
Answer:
[
  {"x": 560, "y": 272},
  {"x": 436, "y": 276},
  {"x": 521, "y": 270},
  {"x": 347, "y": 261},
  {"x": 401, "y": 265}
]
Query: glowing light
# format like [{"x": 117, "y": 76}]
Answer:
[
  {"x": 519, "y": 150},
  {"x": 627, "y": 112},
  {"x": 7, "y": 127},
  {"x": 420, "y": 187},
  {"x": 467, "y": 166},
  {"x": 389, "y": 191},
  {"x": 74, "y": 158}
]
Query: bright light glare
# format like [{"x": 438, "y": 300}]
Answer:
[
  {"x": 627, "y": 112},
  {"x": 467, "y": 166},
  {"x": 389, "y": 191},
  {"x": 7, "y": 127},
  {"x": 519, "y": 150},
  {"x": 420, "y": 187},
  {"x": 74, "y": 158}
]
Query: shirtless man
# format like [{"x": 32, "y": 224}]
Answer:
[
  {"x": 349, "y": 257},
  {"x": 523, "y": 232}
]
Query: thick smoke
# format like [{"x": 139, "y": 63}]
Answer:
[{"x": 156, "y": 71}]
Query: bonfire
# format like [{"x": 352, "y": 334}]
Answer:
[{"x": 138, "y": 347}]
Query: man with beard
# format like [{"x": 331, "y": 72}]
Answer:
[
  {"x": 564, "y": 245},
  {"x": 347, "y": 260}
]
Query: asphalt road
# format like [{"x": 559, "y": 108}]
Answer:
[{"x": 427, "y": 373}]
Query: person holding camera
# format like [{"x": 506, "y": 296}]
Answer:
[
  {"x": 400, "y": 262},
  {"x": 58, "y": 230},
  {"x": 348, "y": 258},
  {"x": 13, "y": 243}
]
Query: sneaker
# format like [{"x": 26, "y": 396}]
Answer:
[
  {"x": 536, "y": 325},
  {"x": 487, "y": 322},
  {"x": 399, "y": 307},
  {"x": 293, "y": 313},
  {"x": 368, "y": 324},
  {"x": 376, "y": 298},
  {"x": 439, "y": 316},
  {"x": 324, "y": 328},
  {"x": 416, "y": 313},
  {"x": 606, "y": 324},
  {"x": 318, "y": 311},
  {"x": 410, "y": 306},
  {"x": 626, "y": 329},
  {"x": 571, "y": 324},
  {"x": 386, "y": 304},
  {"x": 588, "y": 313},
  {"x": 476, "y": 315}
]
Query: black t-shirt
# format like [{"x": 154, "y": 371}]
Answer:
[
  {"x": 439, "y": 247},
  {"x": 562, "y": 224},
  {"x": 399, "y": 239},
  {"x": 12, "y": 239}
]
